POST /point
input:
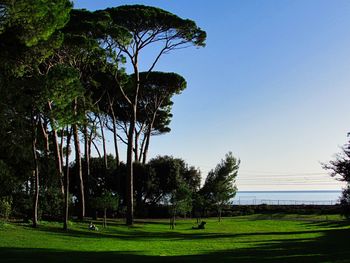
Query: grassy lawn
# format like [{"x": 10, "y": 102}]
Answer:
[{"x": 257, "y": 238}]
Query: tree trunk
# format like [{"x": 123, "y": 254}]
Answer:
[
  {"x": 79, "y": 171},
  {"x": 142, "y": 148},
  {"x": 129, "y": 154},
  {"x": 45, "y": 134},
  {"x": 130, "y": 148},
  {"x": 136, "y": 147},
  {"x": 61, "y": 151},
  {"x": 35, "y": 173},
  {"x": 105, "y": 217},
  {"x": 57, "y": 152},
  {"x": 172, "y": 221},
  {"x": 58, "y": 159},
  {"x": 103, "y": 144},
  {"x": 114, "y": 120},
  {"x": 87, "y": 154},
  {"x": 145, "y": 152},
  {"x": 66, "y": 196},
  {"x": 148, "y": 138},
  {"x": 130, "y": 177}
]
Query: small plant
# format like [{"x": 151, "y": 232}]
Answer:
[
  {"x": 180, "y": 202},
  {"x": 5, "y": 207},
  {"x": 107, "y": 200}
]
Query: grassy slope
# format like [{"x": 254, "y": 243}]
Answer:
[{"x": 240, "y": 239}]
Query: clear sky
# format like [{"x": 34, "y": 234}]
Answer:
[{"x": 272, "y": 86}]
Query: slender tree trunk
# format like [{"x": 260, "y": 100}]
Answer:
[
  {"x": 87, "y": 154},
  {"x": 79, "y": 171},
  {"x": 61, "y": 150},
  {"x": 45, "y": 134},
  {"x": 130, "y": 148},
  {"x": 57, "y": 152},
  {"x": 145, "y": 151},
  {"x": 97, "y": 150},
  {"x": 90, "y": 141},
  {"x": 130, "y": 175},
  {"x": 136, "y": 147},
  {"x": 58, "y": 159},
  {"x": 66, "y": 196},
  {"x": 114, "y": 120},
  {"x": 172, "y": 221},
  {"x": 103, "y": 143},
  {"x": 142, "y": 148},
  {"x": 35, "y": 173},
  {"x": 105, "y": 217},
  {"x": 148, "y": 138}
]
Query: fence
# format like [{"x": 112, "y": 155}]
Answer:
[{"x": 254, "y": 201}]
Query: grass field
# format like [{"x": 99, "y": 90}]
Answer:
[{"x": 257, "y": 238}]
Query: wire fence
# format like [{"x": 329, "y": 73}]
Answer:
[{"x": 255, "y": 201}]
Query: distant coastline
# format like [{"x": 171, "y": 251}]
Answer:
[
  {"x": 290, "y": 191},
  {"x": 288, "y": 197}
]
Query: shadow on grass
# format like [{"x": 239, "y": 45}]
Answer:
[
  {"x": 331, "y": 246},
  {"x": 138, "y": 234}
]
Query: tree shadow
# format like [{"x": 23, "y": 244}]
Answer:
[
  {"x": 139, "y": 234},
  {"x": 331, "y": 245}
]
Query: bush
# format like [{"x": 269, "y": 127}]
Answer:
[
  {"x": 5, "y": 207},
  {"x": 345, "y": 202},
  {"x": 51, "y": 204}
]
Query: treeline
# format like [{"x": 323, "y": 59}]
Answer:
[{"x": 67, "y": 78}]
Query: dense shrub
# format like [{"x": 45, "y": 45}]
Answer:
[{"x": 5, "y": 207}]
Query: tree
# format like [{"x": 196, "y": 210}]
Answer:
[
  {"x": 180, "y": 200},
  {"x": 28, "y": 32},
  {"x": 340, "y": 169},
  {"x": 107, "y": 200},
  {"x": 5, "y": 207},
  {"x": 165, "y": 175},
  {"x": 219, "y": 187},
  {"x": 28, "y": 35},
  {"x": 157, "y": 89},
  {"x": 80, "y": 51},
  {"x": 145, "y": 26},
  {"x": 33, "y": 20}
]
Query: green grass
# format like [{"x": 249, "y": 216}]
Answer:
[{"x": 258, "y": 238}]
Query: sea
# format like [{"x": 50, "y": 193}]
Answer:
[{"x": 319, "y": 197}]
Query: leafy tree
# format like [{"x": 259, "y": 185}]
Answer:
[
  {"x": 145, "y": 26},
  {"x": 180, "y": 201},
  {"x": 5, "y": 207},
  {"x": 28, "y": 32},
  {"x": 107, "y": 200},
  {"x": 340, "y": 169},
  {"x": 156, "y": 91},
  {"x": 81, "y": 52},
  {"x": 219, "y": 187},
  {"x": 166, "y": 173},
  {"x": 28, "y": 35},
  {"x": 33, "y": 20}
]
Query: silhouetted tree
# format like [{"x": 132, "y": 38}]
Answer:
[
  {"x": 340, "y": 169},
  {"x": 107, "y": 200},
  {"x": 219, "y": 187},
  {"x": 145, "y": 26},
  {"x": 180, "y": 200}
]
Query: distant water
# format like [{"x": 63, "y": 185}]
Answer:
[{"x": 287, "y": 197}]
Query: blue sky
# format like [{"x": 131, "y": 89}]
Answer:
[{"x": 272, "y": 86}]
